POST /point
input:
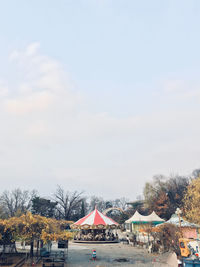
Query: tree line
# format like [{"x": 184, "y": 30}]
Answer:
[
  {"x": 162, "y": 194},
  {"x": 165, "y": 194},
  {"x": 63, "y": 204}
]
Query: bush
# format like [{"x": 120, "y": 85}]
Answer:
[{"x": 169, "y": 235}]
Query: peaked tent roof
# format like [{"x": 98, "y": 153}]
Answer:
[
  {"x": 95, "y": 219},
  {"x": 154, "y": 217},
  {"x": 138, "y": 218}
]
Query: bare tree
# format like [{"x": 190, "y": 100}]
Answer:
[
  {"x": 68, "y": 203},
  {"x": 120, "y": 203},
  {"x": 3, "y": 213},
  {"x": 99, "y": 202},
  {"x": 196, "y": 173},
  {"x": 16, "y": 202}
]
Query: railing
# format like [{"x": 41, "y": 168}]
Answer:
[
  {"x": 38, "y": 260},
  {"x": 51, "y": 262},
  {"x": 20, "y": 263}
]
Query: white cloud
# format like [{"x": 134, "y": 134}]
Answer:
[
  {"x": 32, "y": 49},
  {"x": 39, "y": 101},
  {"x": 46, "y": 94},
  {"x": 3, "y": 90},
  {"x": 37, "y": 129},
  {"x": 44, "y": 84},
  {"x": 14, "y": 55},
  {"x": 174, "y": 86},
  {"x": 182, "y": 88},
  {"x": 47, "y": 127}
]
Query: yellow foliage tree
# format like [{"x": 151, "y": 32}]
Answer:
[
  {"x": 192, "y": 202},
  {"x": 34, "y": 227}
]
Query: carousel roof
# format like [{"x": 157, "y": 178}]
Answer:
[{"x": 95, "y": 218}]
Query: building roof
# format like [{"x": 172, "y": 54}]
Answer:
[{"x": 175, "y": 220}]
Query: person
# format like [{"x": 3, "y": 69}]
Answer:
[
  {"x": 117, "y": 237},
  {"x": 94, "y": 254},
  {"x": 127, "y": 239},
  {"x": 112, "y": 237}
]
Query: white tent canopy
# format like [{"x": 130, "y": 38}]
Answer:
[
  {"x": 137, "y": 217},
  {"x": 153, "y": 217}
]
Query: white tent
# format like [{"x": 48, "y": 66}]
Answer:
[
  {"x": 138, "y": 218},
  {"x": 153, "y": 217},
  {"x": 134, "y": 223}
]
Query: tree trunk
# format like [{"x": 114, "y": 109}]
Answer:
[
  {"x": 38, "y": 242},
  {"x": 24, "y": 245},
  {"x": 15, "y": 249},
  {"x": 31, "y": 249}
]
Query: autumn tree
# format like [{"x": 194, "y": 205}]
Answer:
[
  {"x": 7, "y": 235},
  {"x": 176, "y": 188},
  {"x": 33, "y": 228},
  {"x": 164, "y": 195},
  {"x": 192, "y": 200},
  {"x": 168, "y": 235},
  {"x": 155, "y": 195}
]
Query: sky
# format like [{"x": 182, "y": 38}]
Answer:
[{"x": 98, "y": 95}]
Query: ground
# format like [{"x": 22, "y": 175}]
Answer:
[
  {"x": 79, "y": 255},
  {"x": 118, "y": 254}
]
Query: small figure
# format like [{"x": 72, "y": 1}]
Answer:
[
  {"x": 112, "y": 237},
  {"x": 117, "y": 237},
  {"x": 94, "y": 254},
  {"x": 128, "y": 239}
]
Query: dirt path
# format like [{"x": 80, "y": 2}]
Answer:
[{"x": 108, "y": 255}]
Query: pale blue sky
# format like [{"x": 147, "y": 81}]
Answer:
[{"x": 120, "y": 93}]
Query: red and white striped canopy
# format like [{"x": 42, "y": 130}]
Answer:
[{"x": 95, "y": 220}]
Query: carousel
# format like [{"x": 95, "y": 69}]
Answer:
[{"x": 96, "y": 228}]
